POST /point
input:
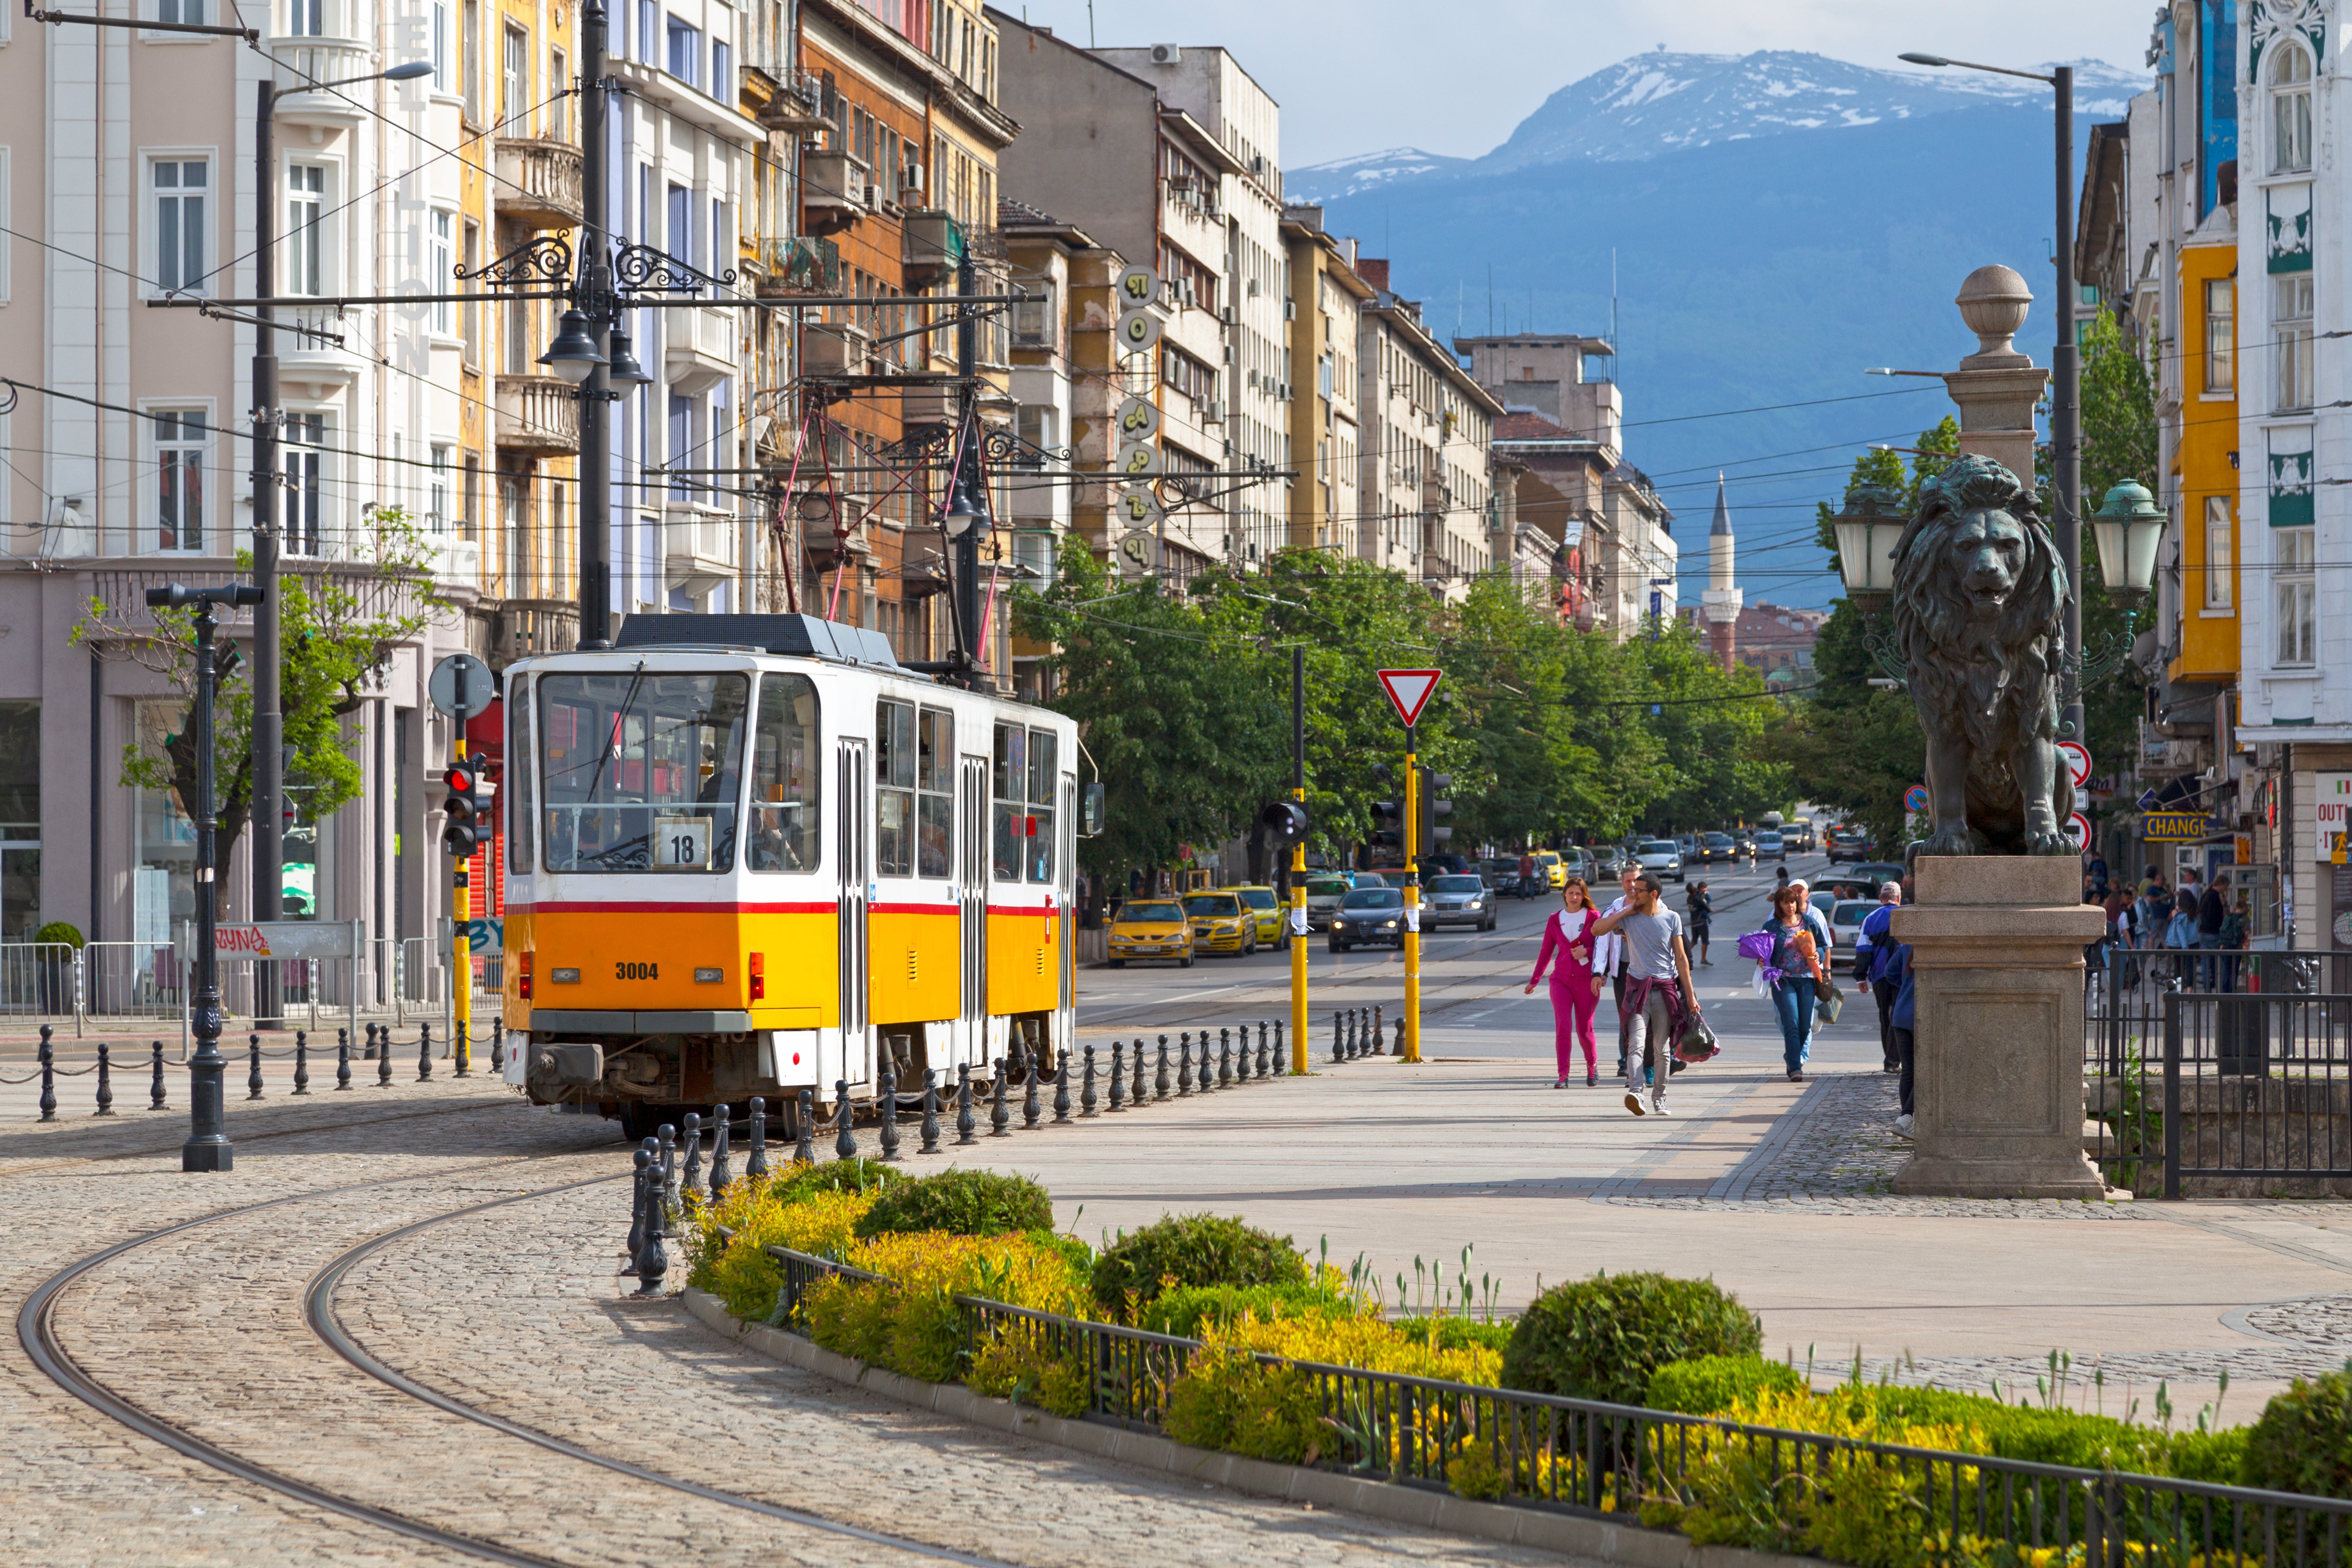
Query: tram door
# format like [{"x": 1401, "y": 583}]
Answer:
[
  {"x": 855, "y": 815},
  {"x": 1066, "y": 883},
  {"x": 972, "y": 908}
]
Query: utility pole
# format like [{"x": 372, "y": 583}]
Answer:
[
  {"x": 1299, "y": 861},
  {"x": 596, "y": 400},
  {"x": 967, "y": 475},
  {"x": 1411, "y": 894},
  {"x": 2065, "y": 404},
  {"x": 268, "y": 720}
]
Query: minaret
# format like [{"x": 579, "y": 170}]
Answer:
[{"x": 1721, "y": 600}]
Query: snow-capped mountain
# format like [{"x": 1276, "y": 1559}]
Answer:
[{"x": 1658, "y": 104}]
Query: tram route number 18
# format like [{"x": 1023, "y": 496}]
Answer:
[{"x": 682, "y": 843}]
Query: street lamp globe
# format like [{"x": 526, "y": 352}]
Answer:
[
  {"x": 2128, "y": 526},
  {"x": 624, "y": 371},
  {"x": 572, "y": 355},
  {"x": 966, "y": 509},
  {"x": 409, "y": 72},
  {"x": 1867, "y": 531}
]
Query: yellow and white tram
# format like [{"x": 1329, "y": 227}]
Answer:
[{"x": 754, "y": 854}]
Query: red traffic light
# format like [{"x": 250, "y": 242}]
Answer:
[{"x": 459, "y": 778}]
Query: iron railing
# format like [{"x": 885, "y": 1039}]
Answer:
[{"x": 1604, "y": 1461}]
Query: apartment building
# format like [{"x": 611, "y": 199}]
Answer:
[
  {"x": 127, "y": 176},
  {"x": 1326, "y": 319},
  {"x": 1422, "y": 467}
]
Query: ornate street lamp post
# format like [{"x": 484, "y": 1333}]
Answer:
[{"x": 2128, "y": 526}]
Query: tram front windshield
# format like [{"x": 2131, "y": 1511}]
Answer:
[{"x": 641, "y": 771}]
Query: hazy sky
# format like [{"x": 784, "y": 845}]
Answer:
[{"x": 1456, "y": 78}]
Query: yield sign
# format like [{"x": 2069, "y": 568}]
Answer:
[{"x": 1409, "y": 691}]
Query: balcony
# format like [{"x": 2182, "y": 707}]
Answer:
[
  {"x": 698, "y": 346},
  {"x": 930, "y": 247},
  {"x": 522, "y": 628},
  {"x": 539, "y": 182},
  {"x": 538, "y": 414},
  {"x": 698, "y": 549},
  {"x": 802, "y": 265},
  {"x": 302, "y": 61},
  {"x": 308, "y": 342},
  {"x": 799, "y": 101},
  {"x": 833, "y": 189},
  {"x": 455, "y": 562},
  {"x": 837, "y": 349}
]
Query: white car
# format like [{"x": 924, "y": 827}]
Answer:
[
  {"x": 1324, "y": 892},
  {"x": 1660, "y": 858}
]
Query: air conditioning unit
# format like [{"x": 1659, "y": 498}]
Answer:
[
  {"x": 1166, "y": 54},
  {"x": 914, "y": 180},
  {"x": 1227, "y": 316},
  {"x": 1252, "y": 289},
  {"x": 1229, "y": 354},
  {"x": 1257, "y": 165},
  {"x": 1185, "y": 289},
  {"x": 1213, "y": 411}
]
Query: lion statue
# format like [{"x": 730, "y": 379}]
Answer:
[{"x": 1979, "y": 611}]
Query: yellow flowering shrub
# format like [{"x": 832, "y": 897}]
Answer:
[
  {"x": 1227, "y": 1399},
  {"x": 908, "y": 1320},
  {"x": 764, "y": 1214},
  {"x": 1024, "y": 1364}
]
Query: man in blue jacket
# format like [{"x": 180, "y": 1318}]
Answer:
[
  {"x": 1877, "y": 932},
  {"x": 1897, "y": 969}
]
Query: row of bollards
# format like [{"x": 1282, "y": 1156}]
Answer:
[
  {"x": 1359, "y": 1032},
  {"x": 48, "y": 1072},
  {"x": 660, "y": 1177},
  {"x": 378, "y": 1050}
]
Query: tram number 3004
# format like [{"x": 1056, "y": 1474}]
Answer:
[{"x": 636, "y": 972}]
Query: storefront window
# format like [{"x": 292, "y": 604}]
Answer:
[
  {"x": 20, "y": 819},
  {"x": 163, "y": 876}
]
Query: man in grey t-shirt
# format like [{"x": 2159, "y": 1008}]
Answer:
[{"x": 1659, "y": 992}]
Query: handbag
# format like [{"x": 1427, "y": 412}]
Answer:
[
  {"x": 1828, "y": 1001},
  {"x": 1697, "y": 1043}
]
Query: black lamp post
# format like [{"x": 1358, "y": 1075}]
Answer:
[
  {"x": 207, "y": 1148},
  {"x": 2065, "y": 380}
]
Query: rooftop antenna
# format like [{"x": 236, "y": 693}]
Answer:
[
  {"x": 1490, "y": 299},
  {"x": 1090, "y": 24}
]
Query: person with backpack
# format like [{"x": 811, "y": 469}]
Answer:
[
  {"x": 1899, "y": 970},
  {"x": 1661, "y": 998},
  {"x": 1701, "y": 905},
  {"x": 1878, "y": 936}
]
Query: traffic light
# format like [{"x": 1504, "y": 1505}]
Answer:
[
  {"x": 1286, "y": 820},
  {"x": 462, "y": 833},
  {"x": 1387, "y": 821},
  {"x": 1433, "y": 804}
]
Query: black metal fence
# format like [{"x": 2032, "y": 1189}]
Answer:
[{"x": 1589, "y": 1458}]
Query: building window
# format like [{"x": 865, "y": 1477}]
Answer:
[
  {"x": 473, "y": 307},
  {"x": 2221, "y": 335},
  {"x": 440, "y": 44},
  {"x": 512, "y": 530},
  {"x": 306, "y": 202},
  {"x": 685, "y": 52},
  {"x": 2221, "y": 558},
  {"x": 436, "y": 502},
  {"x": 648, "y": 32},
  {"x": 2290, "y": 327},
  {"x": 182, "y": 186},
  {"x": 2290, "y": 109},
  {"x": 722, "y": 69},
  {"x": 1033, "y": 320},
  {"x": 181, "y": 439},
  {"x": 681, "y": 444},
  {"x": 306, "y": 433},
  {"x": 188, "y": 10},
  {"x": 2293, "y": 588},
  {"x": 514, "y": 83},
  {"x": 443, "y": 272},
  {"x": 470, "y": 507},
  {"x": 559, "y": 102},
  {"x": 677, "y": 238},
  {"x": 306, "y": 18},
  {"x": 472, "y": 62}
]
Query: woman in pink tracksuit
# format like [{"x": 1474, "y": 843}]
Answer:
[{"x": 1575, "y": 988}]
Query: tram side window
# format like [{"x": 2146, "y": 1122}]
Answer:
[
  {"x": 641, "y": 771},
  {"x": 1009, "y": 813},
  {"x": 935, "y": 799},
  {"x": 894, "y": 787},
  {"x": 1044, "y": 775},
  {"x": 784, "y": 799},
  {"x": 521, "y": 796}
]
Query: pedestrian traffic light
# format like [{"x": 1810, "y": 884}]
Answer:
[
  {"x": 1433, "y": 804},
  {"x": 1387, "y": 821},
  {"x": 462, "y": 833},
  {"x": 1286, "y": 820}
]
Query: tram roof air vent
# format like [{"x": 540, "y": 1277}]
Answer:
[{"x": 809, "y": 636}]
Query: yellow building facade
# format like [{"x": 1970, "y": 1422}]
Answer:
[{"x": 2205, "y": 465}]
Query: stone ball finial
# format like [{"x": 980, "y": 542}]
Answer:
[{"x": 1992, "y": 302}]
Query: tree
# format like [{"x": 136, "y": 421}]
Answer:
[
  {"x": 338, "y": 630},
  {"x": 2118, "y": 444}
]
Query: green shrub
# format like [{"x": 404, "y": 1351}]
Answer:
[
  {"x": 61, "y": 930},
  {"x": 2055, "y": 1435},
  {"x": 2302, "y": 1443},
  {"x": 1452, "y": 1332},
  {"x": 1184, "y": 1309},
  {"x": 1707, "y": 1385},
  {"x": 1192, "y": 1249},
  {"x": 858, "y": 1175},
  {"x": 961, "y": 1202},
  {"x": 1602, "y": 1338}
]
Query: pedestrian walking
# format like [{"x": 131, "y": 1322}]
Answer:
[
  {"x": 1527, "y": 874},
  {"x": 2181, "y": 931},
  {"x": 1700, "y": 906},
  {"x": 1661, "y": 998},
  {"x": 1789, "y": 968},
  {"x": 1610, "y": 956},
  {"x": 2212, "y": 913},
  {"x": 1878, "y": 932},
  {"x": 1575, "y": 988},
  {"x": 1824, "y": 946},
  {"x": 1906, "y": 1047}
]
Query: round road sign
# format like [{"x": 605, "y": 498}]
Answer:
[
  {"x": 2078, "y": 829},
  {"x": 1916, "y": 798},
  {"x": 2078, "y": 761},
  {"x": 462, "y": 685}
]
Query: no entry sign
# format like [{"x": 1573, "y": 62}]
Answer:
[{"x": 1409, "y": 691}]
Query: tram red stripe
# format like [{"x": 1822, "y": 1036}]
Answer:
[
  {"x": 825, "y": 908},
  {"x": 910, "y": 908}
]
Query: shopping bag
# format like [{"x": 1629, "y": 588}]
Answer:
[
  {"x": 1829, "y": 1001},
  {"x": 1697, "y": 1043}
]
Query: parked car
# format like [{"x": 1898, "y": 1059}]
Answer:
[
  {"x": 1219, "y": 923},
  {"x": 1264, "y": 905},
  {"x": 1150, "y": 929},
  {"x": 1845, "y": 923},
  {"x": 1864, "y": 880},
  {"x": 1847, "y": 844},
  {"x": 1367, "y": 915},
  {"x": 1608, "y": 862},
  {"x": 1551, "y": 871},
  {"x": 1660, "y": 858},
  {"x": 1578, "y": 862},
  {"x": 1457, "y": 898},
  {"x": 1718, "y": 846},
  {"x": 1770, "y": 845},
  {"x": 1456, "y": 864},
  {"x": 1689, "y": 846},
  {"x": 1323, "y": 895}
]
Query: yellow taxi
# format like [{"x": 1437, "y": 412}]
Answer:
[
  {"x": 1265, "y": 906},
  {"x": 1552, "y": 868},
  {"x": 1150, "y": 929},
  {"x": 1221, "y": 923}
]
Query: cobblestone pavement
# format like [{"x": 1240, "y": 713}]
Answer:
[
  {"x": 519, "y": 1309},
  {"x": 2319, "y": 1320}
]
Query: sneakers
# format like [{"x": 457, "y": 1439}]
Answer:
[
  {"x": 1633, "y": 1103},
  {"x": 1592, "y": 1080},
  {"x": 1902, "y": 1127},
  {"x": 1795, "y": 1077},
  {"x": 1658, "y": 1108}
]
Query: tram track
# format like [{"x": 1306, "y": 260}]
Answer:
[{"x": 38, "y": 1332}]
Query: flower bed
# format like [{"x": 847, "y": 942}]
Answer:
[{"x": 1297, "y": 1363}]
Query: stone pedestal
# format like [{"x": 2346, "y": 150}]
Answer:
[{"x": 1997, "y": 948}]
